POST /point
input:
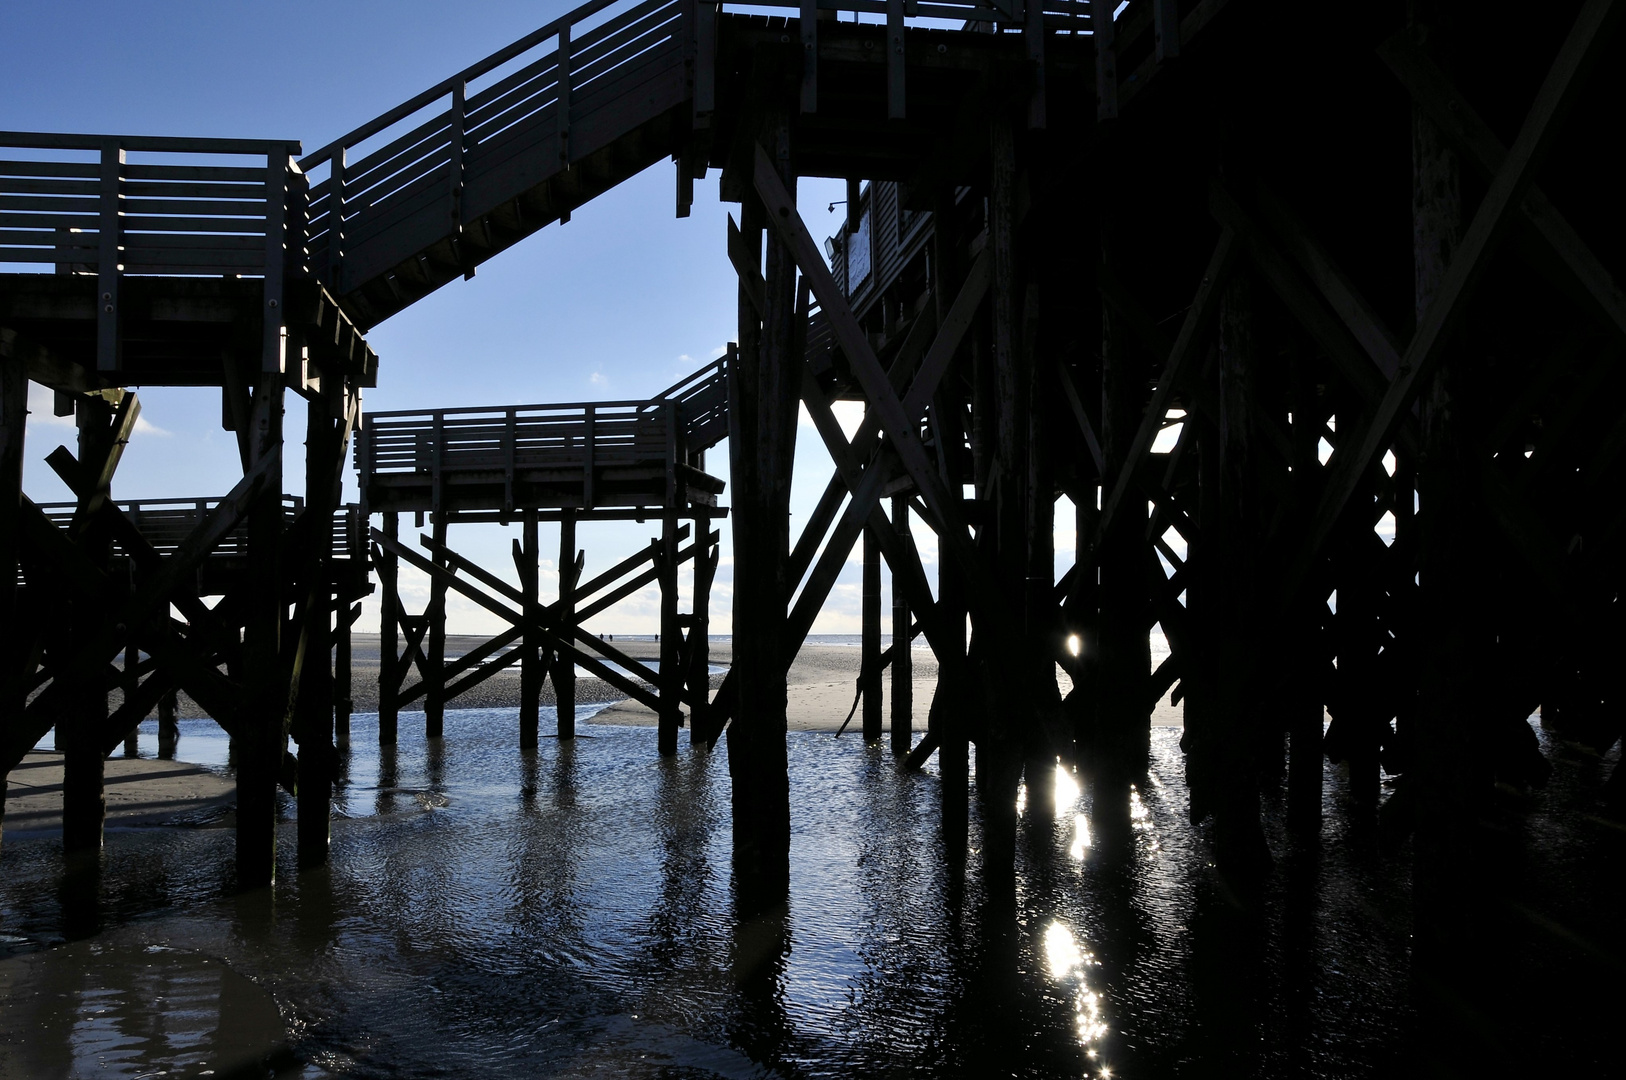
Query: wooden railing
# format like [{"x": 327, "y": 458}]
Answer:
[
  {"x": 476, "y": 141},
  {"x": 415, "y": 176},
  {"x": 165, "y": 523},
  {"x": 702, "y": 401},
  {"x": 119, "y": 205},
  {"x": 1071, "y": 15},
  {"x": 516, "y": 437},
  {"x": 470, "y": 144}
]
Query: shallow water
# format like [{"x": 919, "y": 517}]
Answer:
[{"x": 571, "y": 913}]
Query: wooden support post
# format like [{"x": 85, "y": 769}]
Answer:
[
  {"x": 527, "y": 561},
  {"x": 869, "y": 668},
  {"x": 766, "y": 383},
  {"x": 564, "y": 666},
  {"x": 1047, "y": 741},
  {"x": 705, "y": 571},
  {"x": 13, "y": 421},
  {"x": 1123, "y": 718},
  {"x": 1448, "y": 902},
  {"x": 1233, "y": 625},
  {"x": 261, "y": 735},
  {"x": 84, "y": 707},
  {"x": 313, "y": 710},
  {"x": 903, "y": 674},
  {"x": 1004, "y": 738},
  {"x": 671, "y": 673},
  {"x": 947, "y": 719},
  {"x": 434, "y": 699}
]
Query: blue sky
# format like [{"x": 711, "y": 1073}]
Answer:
[{"x": 619, "y": 303}]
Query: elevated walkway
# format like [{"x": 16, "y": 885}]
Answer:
[
  {"x": 426, "y": 192},
  {"x": 601, "y": 460},
  {"x": 165, "y": 524}
]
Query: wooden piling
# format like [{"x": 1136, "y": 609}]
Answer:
[
  {"x": 564, "y": 665},
  {"x": 699, "y": 674},
  {"x": 313, "y": 726},
  {"x": 869, "y": 667},
  {"x": 1123, "y": 714},
  {"x": 1234, "y": 626},
  {"x": 434, "y": 698},
  {"x": 13, "y": 421},
  {"x": 1447, "y": 899},
  {"x": 671, "y": 673},
  {"x": 262, "y": 722},
  {"x": 947, "y": 720},
  {"x": 343, "y": 703},
  {"x": 387, "y": 563},
  {"x": 765, "y": 388},
  {"x": 527, "y": 561},
  {"x": 903, "y": 674},
  {"x": 84, "y": 706}
]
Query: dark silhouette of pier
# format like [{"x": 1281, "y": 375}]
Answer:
[{"x": 1309, "y": 313}]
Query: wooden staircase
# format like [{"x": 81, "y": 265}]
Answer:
[{"x": 431, "y": 189}]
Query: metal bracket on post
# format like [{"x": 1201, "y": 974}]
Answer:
[{"x": 109, "y": 228}]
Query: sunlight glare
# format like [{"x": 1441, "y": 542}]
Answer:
[
  {"x": 1067, "y": 790},
  {"x": 1081, "y": 837}
]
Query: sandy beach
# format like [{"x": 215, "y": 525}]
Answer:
[
  {"x": 141, "y": 793},
  {"x": 822, "y": 684}
]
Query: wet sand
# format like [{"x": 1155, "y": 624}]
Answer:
[{"x": 141, "y": 793}]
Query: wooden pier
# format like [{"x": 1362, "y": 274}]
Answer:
[
  {"x": 1308, "y": 316},
  {"x": 566, "y": 463}
]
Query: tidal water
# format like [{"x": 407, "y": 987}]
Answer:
[{"x": 571, "y": 912}]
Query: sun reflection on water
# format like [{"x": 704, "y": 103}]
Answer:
[
  {"x": 1068, "y": 964},
  {"x": 1140, "y": 819},
  {"x": 1081, "y": 837},
  {"x": 1067, "y": 790}
]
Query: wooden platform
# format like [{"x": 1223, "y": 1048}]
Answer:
[{"x": 602, "y": 460}]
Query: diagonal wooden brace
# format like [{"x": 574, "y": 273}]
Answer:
[{"x": 1581, "y": 49}]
